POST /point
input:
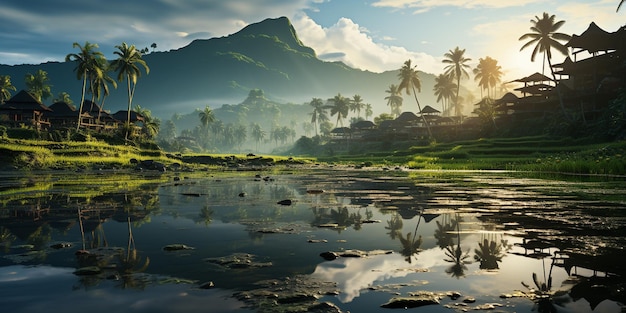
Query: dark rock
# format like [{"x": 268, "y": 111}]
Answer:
[
  {"x": 285, "y": 202},
  {"x": 134, "y": 161},
  {"x": 314, "y": 191},
  {"x": 207, "y": 285},
  {"x": 297, "y": 298},
  {"x": 469, "y": 300},
  {"x": 89, "y": 270},
  {"x": 61, "y": 245},
  {"x": 329, "y": 255},
  {"x": 411, "y": 302},
  {"x": 177, "y": 247},
  {"x": 324, "y": 307},
  {"x": 242, "y": 194}
]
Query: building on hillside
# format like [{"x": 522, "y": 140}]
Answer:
[
  {"x": 24, "y": 109},
  {"x": 63, "y": 115}
]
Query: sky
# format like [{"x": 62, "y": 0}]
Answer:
[{"x": 373, "y": 35}]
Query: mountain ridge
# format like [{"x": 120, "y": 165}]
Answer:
[{"x": 267, "y": 55}]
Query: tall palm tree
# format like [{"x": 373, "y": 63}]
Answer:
[
  {"x": 38, "y": 85},
  {"x": 488, "y": 74},
  {"x": 151, "y": 125},
  {"x": 319, "y": 114},
  {"x": 368, "y": 111},
  {"x": 340, "y": 107},
  {"x": 257, "y": 133},
  {"x": 394, "y": 100},
  {"x": 206, "y": 118},
  {"x": 545, "y": 37},
  {"x": 410, "y": 82},
  {"x": 444, "y": 90},
  {"x": 127, "y": 68},
  {"x": 87, "y": 60},
  {"x": 357, "y": 104},
  {"x": 456, "y": 67},
  {"x": 100, "y": 84},
  {"x": 5, "y": 88}
]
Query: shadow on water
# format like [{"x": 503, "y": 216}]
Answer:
[{"x": 467, "y": 241}]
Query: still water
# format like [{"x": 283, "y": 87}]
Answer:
[{"x": 356, "y": 239}]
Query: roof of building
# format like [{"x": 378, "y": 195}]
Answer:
[{"x": 25, "y": 101}]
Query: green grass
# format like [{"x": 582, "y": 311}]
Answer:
[{"x": 536, "y": 154}]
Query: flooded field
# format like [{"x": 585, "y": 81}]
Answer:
[{"x": 322, "y": 240}]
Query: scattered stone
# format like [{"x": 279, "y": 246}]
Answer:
[
  {"x": 242, "y": 194},
  {"x": 191, "y": 194},
  {"x": 61, "y": 245},
  {"x": 469, "y": 300},
  {"x": 238, "y": 261},
  {"x": 454, "y": 295},
  {"x": 315, "y": 191},
  {"x": 177, "y": 247},
  {"x": 328, "y": 225},
  {"x": 207, "y": 285},
  {"x": 329, "y": 255},
  {"x": 411, "y": 302},
  {"x": 285, "y": 202},
  {"x": 317, "y": 241},
  {"x": 370, "y": 221},
  {"x": 88, "y": 270}
]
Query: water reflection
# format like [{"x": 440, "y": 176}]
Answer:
[{"x": 479, "y": 235}]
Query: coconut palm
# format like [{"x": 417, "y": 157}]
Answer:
[
  {"x": 206, "y": 118},
  {"x": 456, "y": 67},
  {"x": 394, "y": 100},
  {"x": 356, "y": 105},
  {"x": 5, "y": 88},
  {"x": 63, "y": 97},
  {"x": 545, "y": 37},
  {"x": 410, "y": 82},
  {"x": 444, "y": 90},
  {"x": 319, "y": 114},
  {"x": 488, "y": 74},
  {"x": 100, "y": 84},
  {"x": 241, "y": 134},
  {"x": 38, "y": 85},
  {"x": 340, "y": 107},
  {"x": 257, "y": 133},
  {"x": 368, "y": 111},
  {"x": 127, "y": 68},
  {"x": 86, "y": 67}
]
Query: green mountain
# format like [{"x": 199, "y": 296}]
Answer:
[{"x": 267, "y": 55}]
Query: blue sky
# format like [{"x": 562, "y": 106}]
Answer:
[{"x": 374, "y": 35}]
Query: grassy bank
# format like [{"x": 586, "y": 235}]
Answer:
[
  {"x": 538, "y": 154},
  {"x": 39, "y": 154}
]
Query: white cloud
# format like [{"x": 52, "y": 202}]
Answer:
[
  {"x": 422, "y": 6},
  {"x": 358, "y": 48}
]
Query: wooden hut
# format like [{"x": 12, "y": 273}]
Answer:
[{"x": 24, "y": 109}]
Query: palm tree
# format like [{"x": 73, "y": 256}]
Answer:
[
  {"x": 456, "y": 68},
  {"x": 86, "y": 59},
  {"x": 38, "y": 85},
  {"x": 357, "y": 104},
  {"x": 63, "y": 97},
  {"x": 319, "y": 114},
  {"x": 410, "y": 82},
  {"x": 100, "y": 84},
  {"x": 340, "y": 107},
  {"x": 394, "y": 100},
  {"x": 619, "y": 5},
  {"x": 444, "y": 90},
  {"x": 544, "y": 36},
  {"x": 5, "y": 88},
  {"x": 368, "y": 111},
  {"x": 257, "y": 133},
  {"x": 488, "y": 74},
  {"x": 151, "y": 125},
  {"x": 206, "y": 118},
  {"x": 126, "y": 66},
  {"x": 241, "y": 134}
]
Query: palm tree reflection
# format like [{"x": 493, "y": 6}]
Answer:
[
  {"x": 490, "y": 252},
  {"x": 394, "y": 225},
  {"x": 455, "y": 254},
  {"x": 412, "y": 242}
]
